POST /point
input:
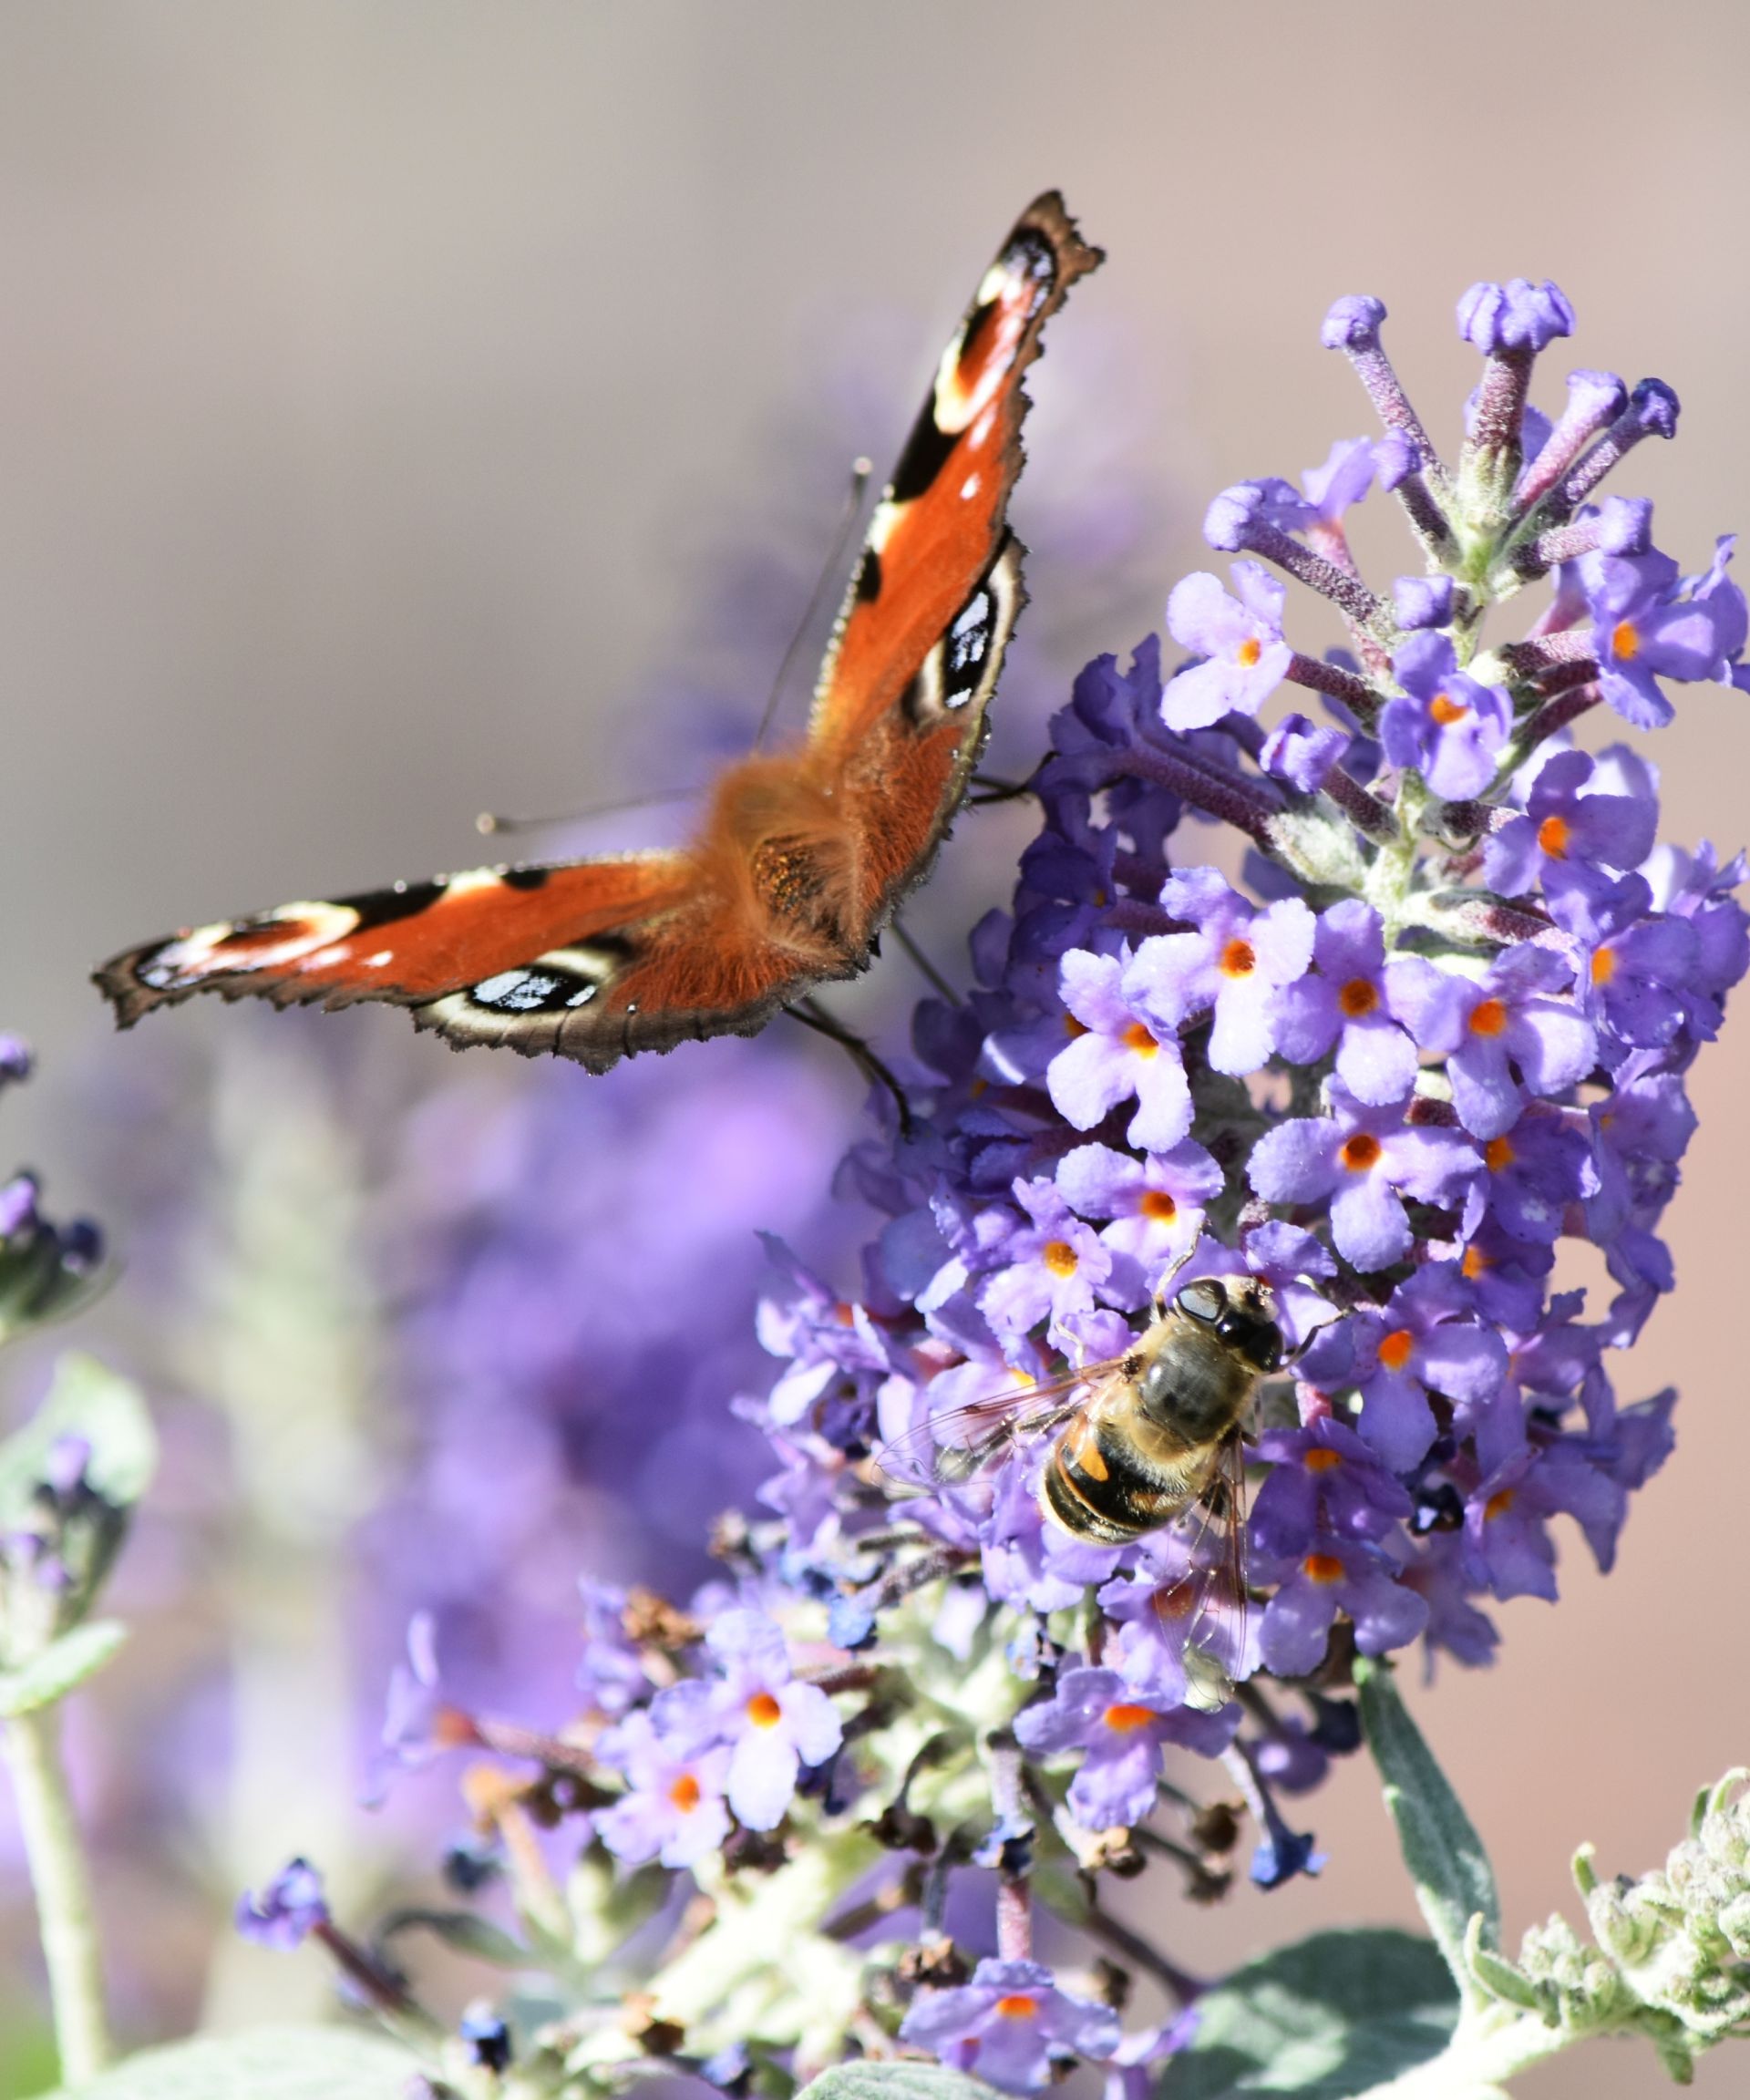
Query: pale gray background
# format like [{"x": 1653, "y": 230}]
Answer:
[{"x": 376, "y": 381}]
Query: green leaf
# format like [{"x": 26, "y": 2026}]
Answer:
[
  {"x": 89, "y": 1400},
  {"x": 266, "y": 2064},
  {"x": 62, "y": 1665},
  {"x": 894, "y": 2082},
  {"x": 1326, "y": 2018},
  {"x": 463, "y": 1931},
  {"x": 1453, "y": 1880}
]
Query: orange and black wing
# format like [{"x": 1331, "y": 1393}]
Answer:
[
  {"x": 899, "y": 711},
  {"x": 590, "y": 959},
  {"x": 596, "y": 959}
]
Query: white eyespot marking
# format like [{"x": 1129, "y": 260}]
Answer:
[
  {"x": 471, "y": 879},
  {"x": 583, "y": 997},
  {"x": 325, "y": 959},
  {"x": 967, "y": 645},
  {"x": 881, "y": 526},
  {"x": 969, "y": 487},
  {"x": 376, "y": 962},
  {"x": 515, "y": 991},
  {"x": 982, "y": 429}
]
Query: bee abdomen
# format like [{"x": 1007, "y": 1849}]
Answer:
[{"x": 1094, "y": 1488}]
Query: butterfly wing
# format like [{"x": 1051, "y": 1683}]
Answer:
[
  {"x": 596, "y": 959},
  {"x": 589, "y": 958},
  {"x": 900, "y": 710}
]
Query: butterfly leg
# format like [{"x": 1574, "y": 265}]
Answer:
[
  {"x": 987, "y": 788},
  {"x": 812, "y": 1014},
  {"x": 938, "y": 983}
]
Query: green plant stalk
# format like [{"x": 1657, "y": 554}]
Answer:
[{"x": 66, "y": 1915}]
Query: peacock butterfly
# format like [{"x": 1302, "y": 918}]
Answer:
[{"x": 804, "y": 854}]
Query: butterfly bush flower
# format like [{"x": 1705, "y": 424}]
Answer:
[{"x": 1432, "y": 1019}]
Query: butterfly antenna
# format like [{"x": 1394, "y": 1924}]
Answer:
[
  {"x": 860, "y": 470},
  {"x": 491, "y": 825},
  {"x": 812, "y": 1014},
  {"x": 935, "y": 976}
]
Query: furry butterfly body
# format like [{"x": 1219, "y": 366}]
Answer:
[{"x": 803, "y": 855}]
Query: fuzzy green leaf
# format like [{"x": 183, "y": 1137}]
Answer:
[
  {"x": 1324, "y": 2019},
  {"x": 62, "y": 1665},
  {"x": 1453, "y": 1880},
  {"x": 266, "y": 2064},
  {"x": 894, "y": 2082}
]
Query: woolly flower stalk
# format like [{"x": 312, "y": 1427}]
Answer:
[{"x": 1438, "y": 1024}]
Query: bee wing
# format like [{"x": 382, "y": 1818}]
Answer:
[
  {"x": 1212, "y": 1596},
  {"x": 962, "y": 1443}
]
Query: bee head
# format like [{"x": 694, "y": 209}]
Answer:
[{"x": 1241, "y": 1318}]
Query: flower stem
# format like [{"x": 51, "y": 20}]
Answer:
[{"x": 58, "y": 1873}]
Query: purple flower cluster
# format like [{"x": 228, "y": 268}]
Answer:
[{"x": 1425, "y": 1034}]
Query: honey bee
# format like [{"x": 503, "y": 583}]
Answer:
[{"x": 1142, "y": 1441}]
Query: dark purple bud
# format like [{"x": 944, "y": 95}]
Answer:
[
  {"x": 1654, "y": 406},
  {"x": 1422, "y": 601},
  {"x": 487, "y": 2037},
  {"x": 1517, "y": 315},
  {"x": 81, "y": 1244},
  {"x": 15, "y": 1059},
  {"x": 1352, "y": 324},
  {"x": 288, "y": 1909}
]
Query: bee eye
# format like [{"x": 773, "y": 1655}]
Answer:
[{"x": 1205, "y": 1300}]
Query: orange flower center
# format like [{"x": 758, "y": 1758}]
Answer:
[
  {"x": 1019, "y": 2006},
  {"x": 1498, "y": 1505},
  {"x": 1126, "y": 1717},
  {"x": 1322, "y": 1568},
  {"x": 1238, "y": 959},
  {"x": 764, "y": 1711},
  {"x": 1446, "y": 710},
  {"x": 1552, "y": 836},
  {"x": 1059, "y": 1257},
  {"x": 1247, "y": 652},
  {"x": 1475, "y": 1263},
  {"x": 1139, "y": 1038},
  {"x": 1626, "y": 641},
  {"x": 1360, "y": 1152},
  {"x": 1176, "y": 1601},
  {"x": 1395, "y": 1348},
  {"x": 1073, "y": 1027},
  {"x": 1488, "y": 1017},
  {"x": 1321, "y": 1459},
  {"x": 1497, "y": 1153},
  {"x": 1358, "y": 996},
  {"x": 1158, "y": 1205},
  {"x": 685, "y": 1794},
  {"x": 1603, "y": 966}
]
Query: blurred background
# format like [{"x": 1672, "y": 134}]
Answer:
[{"x": 411, "y": 410}]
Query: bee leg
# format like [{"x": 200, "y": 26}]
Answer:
[{"x": 1161, "y": 1288}]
